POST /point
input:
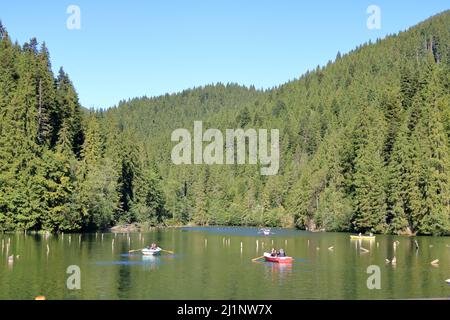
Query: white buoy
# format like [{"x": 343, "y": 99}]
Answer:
[
  {"x": 48, "y": 249},
  {"x": 285, "y": 243},
  {"x": 70, "y": 238},
  {"x": 206, "y": 243},
  {"x": 102, "y": 236}
]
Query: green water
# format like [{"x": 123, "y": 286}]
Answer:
[{"x": 209, "y": 263}]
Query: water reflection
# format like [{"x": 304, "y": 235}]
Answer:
[
  {"x": 279, "y": 268},
  {"x": 216, "y": 263},
  {"x": 151, "y": 262}
]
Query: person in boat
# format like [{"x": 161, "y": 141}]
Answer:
[
  {"x": 282, "y": 253},
  {"x": 273, "y": 252},
  {"x": 153, "y": 246}
]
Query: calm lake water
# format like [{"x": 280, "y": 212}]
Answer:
[{"x": 208, "y": 263}]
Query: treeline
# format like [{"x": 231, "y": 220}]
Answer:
[
  {"x": 58, "y": 171},
  {"x": 364, "y": 142},
  {"x": 364, "y": 146}
]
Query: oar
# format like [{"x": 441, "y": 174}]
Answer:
[
  {"x": 134, "y": 250},
  {"x": 168, "y": 251},
  {"x": 257, "y": 258}
]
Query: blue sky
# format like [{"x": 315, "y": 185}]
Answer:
[{"x": 132, "y": 48}]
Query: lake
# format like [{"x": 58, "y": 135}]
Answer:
[{"x": 216, "y": 263}]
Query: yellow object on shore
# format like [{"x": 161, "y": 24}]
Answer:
[
  {"x": 357, "y": 237},
  {"x": 40, "y": 298}
]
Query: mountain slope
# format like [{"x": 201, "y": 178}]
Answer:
[
  {"x": 363, "y": 140},
  {"x": 364, "y": 146}
]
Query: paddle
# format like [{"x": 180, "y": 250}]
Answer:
[
  {"x": 257, "y": 258},
  {"x": 168, "y": 251},
  {"x": 134, "y": 250}
]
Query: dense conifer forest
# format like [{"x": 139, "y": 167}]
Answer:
[{"x": 365, "y": 146}]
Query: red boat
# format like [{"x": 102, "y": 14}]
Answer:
[{"x": 268, "y": 257}]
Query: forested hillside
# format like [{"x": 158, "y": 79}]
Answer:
[{"x": 364, "y": 146}]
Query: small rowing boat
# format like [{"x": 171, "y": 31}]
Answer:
[
  {"x": 358, "y": 237},
  {"x": 151, "y": 252},
  {"x": 268, "y": 257}
]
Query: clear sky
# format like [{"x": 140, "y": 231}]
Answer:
[{"x": 129, "y": 48}]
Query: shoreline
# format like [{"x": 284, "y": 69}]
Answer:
[{"x": 143, "y": 227}]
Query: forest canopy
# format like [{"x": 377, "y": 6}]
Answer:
[{"x": 364, "y": 146}]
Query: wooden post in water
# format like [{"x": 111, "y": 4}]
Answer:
[
  {"x": 48, "y": 249},
  {"x": 70, "y": 238}
]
